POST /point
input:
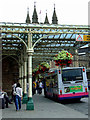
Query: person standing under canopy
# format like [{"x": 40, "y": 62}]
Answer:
[{"x": 18, "y": 97}]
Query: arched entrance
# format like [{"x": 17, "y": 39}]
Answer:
[{"x": 10, "y": 73}]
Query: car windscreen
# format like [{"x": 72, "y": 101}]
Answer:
[{"x": 72, "y": 74}]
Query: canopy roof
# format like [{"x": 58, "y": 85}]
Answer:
[{"x": 51, "y": 38}]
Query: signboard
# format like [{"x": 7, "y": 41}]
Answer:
[
  {"x": 76, "y": 89},
  {"x": 82, "y": 37},
  {"x": 79, "y": 37},
  {"x": 86, "y": 37},
  {"x": 73, "y": 89}
]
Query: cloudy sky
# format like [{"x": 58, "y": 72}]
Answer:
[{"x": 68, "y": 11}]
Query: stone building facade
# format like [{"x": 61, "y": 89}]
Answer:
[{"x": 9, "y": 73}]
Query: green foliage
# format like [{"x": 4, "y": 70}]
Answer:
[
  {"x": 63, "y": 55},
  {"x": 45, "y": 64},
  {"x": 36, "y": 69},
  {"x": 40, "y": 67}
]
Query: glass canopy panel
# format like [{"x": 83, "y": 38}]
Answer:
[
  {"x": 62, "y": 36},
  {"x": 73, "y": 36},
  {"x": 51, "y": 36},
  {"x": 68, "y": 35},
  {"x": 57, "y": 36}
]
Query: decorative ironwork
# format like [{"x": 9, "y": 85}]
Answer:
[{"x": 51, "y": 38}]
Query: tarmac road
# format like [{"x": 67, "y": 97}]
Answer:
[{"x": 81, "y": 106}]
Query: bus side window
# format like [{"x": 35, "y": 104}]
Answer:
[
  {"x": 55, "y": 80},
  {"x": 51, "y": 84}
]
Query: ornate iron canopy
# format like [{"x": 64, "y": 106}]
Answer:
[{"x": 48, "y": 39}]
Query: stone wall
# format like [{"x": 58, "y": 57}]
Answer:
[{"x": 9, "y": 73}]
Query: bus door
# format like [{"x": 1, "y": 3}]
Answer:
[
  {"x": 55, "y": 84},
  {"x": 49, "y": 86}
]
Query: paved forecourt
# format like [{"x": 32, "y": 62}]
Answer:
[{"x": 44, "y": 108}]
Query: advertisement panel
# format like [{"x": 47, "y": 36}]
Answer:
[{"x": 73, "y": 89}]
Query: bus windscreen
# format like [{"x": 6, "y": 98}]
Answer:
[{"x": 72, "y": 75}]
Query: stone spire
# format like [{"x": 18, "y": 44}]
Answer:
[
  {"x": 46, "y": 19},
  {"x": 28, "y": 18},
  {"x": 34, "y": 16},
  {"x": 54, "y": 17}
]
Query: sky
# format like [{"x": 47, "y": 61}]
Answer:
[{"x": 70, "y": 12}]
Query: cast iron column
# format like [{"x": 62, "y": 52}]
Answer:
[
  {"x": 25, "y": 98},
  {"x": 30, "y": 104},
  {"x": 19, "y": 74}
]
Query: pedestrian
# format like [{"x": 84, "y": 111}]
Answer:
[
  {"x": 18, "y": 97},
  {"x": 2, "y": 100},
  {"x": 5, "y": 98},
  {"x": 40, "y": 87},
  {"x": 14, "y": 91},
  {"x": 37, "y": 86},
  {"x": 34, "y": 87}
]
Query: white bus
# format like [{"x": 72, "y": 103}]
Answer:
[
  {"x": 88, "y": 77},
  {"x": 70, "y": 83}
]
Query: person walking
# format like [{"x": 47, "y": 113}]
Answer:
[
  {"x": 14, "y": 91},
  {"x": 34, "y": 87},
  {"x": 18, "y": 97},
  {"x": 40, "y": 87},
  {"x": 37, "y": 86}
]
